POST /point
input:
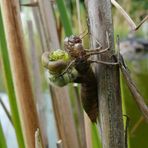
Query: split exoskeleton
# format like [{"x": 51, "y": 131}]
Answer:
[{"x": 77, "y": 68}]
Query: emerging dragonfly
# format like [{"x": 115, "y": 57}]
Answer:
[
  {"x": 74, "y": 65},
  {"x": 76, "y": 68}
]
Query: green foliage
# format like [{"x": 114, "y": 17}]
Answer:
[
  {"x": 96, "y": 143},
  {"x": 10, "y": 87},
  {"x": 138, "y": 128},
  {"x": 64, "y": 17},
  {"x": 138, "y": 6},
  {"x": 2, "y": 138}
]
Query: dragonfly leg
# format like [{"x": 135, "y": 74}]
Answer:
[
  {"x": 99, "y": 44},
  {"x": 84, "y": 33},
  {"x": 97, "y": 50},
  {"x": 69, "y": 65},
  {"x": 103, "y": 62}
]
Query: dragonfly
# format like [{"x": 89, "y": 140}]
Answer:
[
  {"x": 73, "y": 65},
  {"x": 77, "y": 68}
]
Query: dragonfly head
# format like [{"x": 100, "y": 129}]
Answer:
[{"x": 73, "y": 45}]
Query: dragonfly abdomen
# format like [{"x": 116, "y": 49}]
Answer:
[{"x": 89, "y": 95}]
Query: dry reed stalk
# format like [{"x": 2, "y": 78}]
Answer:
[
  {"x": 48, "y": 24},
  {"x": 110, "y": 109},
  {"x": 88, "y": 131},
  {"x": 60, "y": 100},
  {"x": 39, "y": 99},
  {"x": 22, "y": 84},
  {"x": 64, "y": 118},
  {"x": 81, "y": 131},
  {"x": 38, "y": 24}
]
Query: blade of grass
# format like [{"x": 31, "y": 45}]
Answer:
[
  {"x": 64, "y": 17},
  {"x": 2, "y": 138},
  {"x": 10, "y": 87},
  {"x": 96, "y": 143},
  {"x": 109, "y": 98}
]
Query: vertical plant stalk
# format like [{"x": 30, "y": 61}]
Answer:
[
  {"x": 88, "y": 131},
  {"x": 48, "y": 24},
  {"x": 82, "y": 133},
  {"x": 37, "y": 82},
  {"x": 10, "y": 86},
  {"x": 20, "y": 74},
  {"x": 109, "y": 98},
  {"x": 60, "y": 100},
  {"x": 64, "y": 118},
  {"x": 38, "y": 24}
]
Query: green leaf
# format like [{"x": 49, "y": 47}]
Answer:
[
  {"x": 64, "y": 17},
  {"x": 96, "y": 143},
  {"x": 2, "y": 138}
]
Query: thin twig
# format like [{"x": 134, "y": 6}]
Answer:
[{"x": 128, "y": 18}]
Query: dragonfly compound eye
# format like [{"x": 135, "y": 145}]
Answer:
[
  {"x": 77, "y": 39},
  {"x": 55, "y": 61}
]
